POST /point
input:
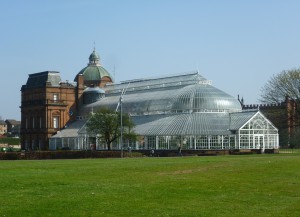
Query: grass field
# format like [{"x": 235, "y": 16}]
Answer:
[
  {"x": 253, "y": 185},
  {"x": 289, "y": 150}
]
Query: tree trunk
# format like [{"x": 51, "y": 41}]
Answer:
[{"x": 108, "y": 146}]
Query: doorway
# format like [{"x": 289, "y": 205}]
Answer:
[{"x": 259, "y": 141}]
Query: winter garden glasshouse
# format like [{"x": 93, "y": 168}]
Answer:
[{"x": 179, "y": 110}]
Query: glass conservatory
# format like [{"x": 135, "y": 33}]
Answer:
[
  {"x": 180, "y": 110},
  {"x": 257, "y": 133}
]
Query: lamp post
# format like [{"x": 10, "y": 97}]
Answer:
[
  {"x": 121, "y": 136},
  {"x": 121, "y": 111}
]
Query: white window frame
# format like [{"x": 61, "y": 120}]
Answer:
[
  {"x": 55, "y": 97},
  {"x": 56, "y": 122}
]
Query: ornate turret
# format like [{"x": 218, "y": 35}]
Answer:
[
  {"x": 94, "y": 74},
  {"x": 94, "y": 59}
]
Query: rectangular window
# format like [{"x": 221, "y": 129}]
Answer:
[
  {"x": 163, "y": 142},
  {"x": 55, "y": 97},
  {"x": 55, "y": 122},
  {"x": 151, "y": 142},
  {"x": 33, "y": 123},
  {"x": 203, "y": 142},
  {"x": 26, "y": 144},
  {"x": 40, "y": 144}
]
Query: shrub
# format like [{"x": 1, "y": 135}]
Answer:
[
  {"x": 10, "y": 141},
  {"x": 9, "y": 156}
]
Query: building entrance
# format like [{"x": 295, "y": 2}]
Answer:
[{"x": 259, "y": 141}]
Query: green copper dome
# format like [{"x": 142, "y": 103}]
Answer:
[{"x": 94, "y": 71}]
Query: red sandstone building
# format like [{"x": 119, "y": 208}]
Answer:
[{"x": 49, "y": 104}]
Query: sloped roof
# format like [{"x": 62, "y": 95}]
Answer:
[
  {"x": 183, "y": 124},
  {"x": 42, "y": 78},
  {"x": 157, "y": 81},
  {"x": 13, "y": 122},
  {"x": 71, "y": 130},
  {"x": 238, "y": 119},
  {"x": 203, "y": 123}
]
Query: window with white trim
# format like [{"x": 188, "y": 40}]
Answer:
[
  {"x": 55, "y": 122},
  {"x": 55, "y": 97}
]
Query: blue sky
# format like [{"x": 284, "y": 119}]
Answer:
[{"x": 237, "y": 44}]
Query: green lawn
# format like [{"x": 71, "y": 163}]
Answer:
[{"x": 253, "y": 185}]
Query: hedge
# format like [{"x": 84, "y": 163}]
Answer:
[
  {"x": 42, "y": 155},
  {"x": 10, "y": 141}
]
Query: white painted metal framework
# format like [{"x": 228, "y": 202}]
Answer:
[
  {"x": 182, "y": 110},
  {"x": 258, "y": 133}
]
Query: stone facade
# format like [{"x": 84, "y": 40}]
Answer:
[
  {"x": 48, "y": 104},
  {"x": 45, "y": 109}
]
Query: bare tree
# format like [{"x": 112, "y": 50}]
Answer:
[{"x": 282, "y": 85}]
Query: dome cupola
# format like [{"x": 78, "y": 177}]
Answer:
[
  {"x": 94, "y": 59},
  {"x": 94, "y": 74}
]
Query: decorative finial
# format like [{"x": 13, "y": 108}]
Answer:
[{"x": 94, "y": 58}]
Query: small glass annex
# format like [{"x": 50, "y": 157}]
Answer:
[{"x": 179, "y": 110}]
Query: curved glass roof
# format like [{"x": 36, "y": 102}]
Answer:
[
  {"x": 183, "y": 124},
  {"x": 175, "y": 105},
  {"x": 202, "y": 98},
  {"x": 94, "y": 90},
  {"x": 186, "y": 93}
]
